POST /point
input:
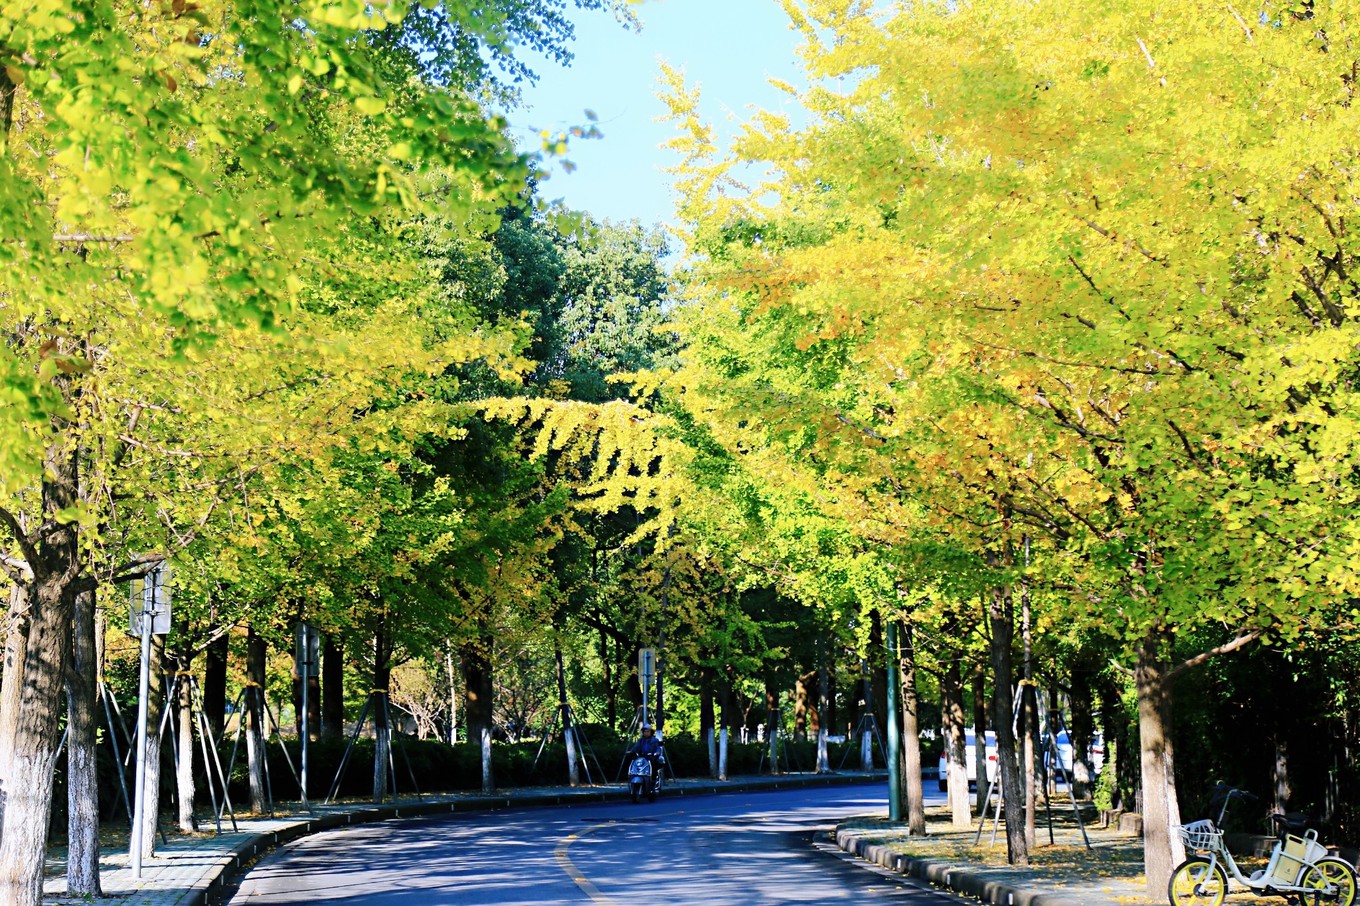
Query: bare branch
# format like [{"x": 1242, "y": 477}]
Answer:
[
  {"x": 21, "y": 538},
  {"x": 1250, "y": 39},
  {"x": 1242, "y": 639}
]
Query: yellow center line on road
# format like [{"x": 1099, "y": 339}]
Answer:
[{"x": 564, "y": 861}]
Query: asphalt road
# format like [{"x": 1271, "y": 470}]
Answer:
[{"x": 735, "y": 848}]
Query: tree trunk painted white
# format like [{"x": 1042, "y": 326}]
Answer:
[
  {"x": 254, "y": 718},
  {"x": 573, "y": 764},
  {"x": 155, "y": 709},
  {"x": 488, "y": 775},
  {"x": 33, "y": 749},
  {"x": 184, "y": 768},
  {"x": 453, "y": 701},
  {"x": 82, "y": 791},
  {"x": 1162, "y": 847},
  {"x": 911, "y": 737},
  {"x": 30, "y": 726},
  {"x": 1002, "y": 618},
  {"x": 11, "y": 686}
]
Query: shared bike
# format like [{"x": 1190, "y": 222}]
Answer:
[{"x": 1300, "y": 870}]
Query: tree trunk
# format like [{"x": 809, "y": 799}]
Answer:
[
  {"x": 256, "y": 655},
  {"x": 1115, "y": 727},
  {"x": 772, "y": 724},
  {"x": 30, "y": 761},
  {"x": 82, "y": 774},
  {"x": 332, "y": 695},
  {"x": 453, "y": 698},
  {"x": 1162, "y": 848},
  {"x": 155, "y": 709},
  {"x": 955, "y": 739},
  {"x": 1001, "y": 616},
  {"x": 1029, "y": 714},
  {"x": 1279, "y": 774},
  {"x": 727, "y": 717},
  {"x": 1081, "y": 728},
  {"x": 184, "y": 768},
  {"x": 382, "y": 749},
  {"x": 980, "y": 725},
  {"x": 12, "y": 685},
  {"x": 911, "y": 737},
  {"x": 564, "y": 712},
  {"x": 800, "y": 707},
  {"x": 215, "y": 684},
  {"x": 611, "y": 692},
  {"x": 822, "y": 714},
  {"x": 478, "y": 689},
  {"x": 707, "y": 719}
]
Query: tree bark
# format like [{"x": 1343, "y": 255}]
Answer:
[
  {"x": 155, "y": 709},
  {"x": 332, "y": 695},
  {"x": 707, "y": 719},
  {"x": 478, "y": 689},
  {"x": 822, "y": 712},
  {"x": 911, "y": 737},
  {"x": 955, "y": 739},
  {"x": 382, "y": 749},
  {"x": 1082, "y": 728},
  {"x": 256, "y": 655},
  {"x": 215, "y": 685},
  {"x": 12, "y": 685},
  {"x": 727, "y": 717},
  {"x": 1162, "y": 848},
  {"x": 800, "y": 707},
  {"x": 82, "y": 790},
  {"x": 184, "y": 767},
  {"x": 1029, "y": 713},
  {"x": 980, "y": 725},
  {"x": 1001, "y": 616},
  {"x": 30, "y": 763},
  {"x": 772, "y": 724},
  {"x": 1279, "y": 773}
]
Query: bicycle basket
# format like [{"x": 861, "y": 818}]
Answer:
[{"x": 1200, "y": 835}]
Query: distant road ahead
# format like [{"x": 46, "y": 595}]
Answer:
[{"x": 737, "y": 848}]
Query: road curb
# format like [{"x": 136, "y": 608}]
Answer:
[
  {"x": 946, "y": 874},
  {"x": 212, "y": 888}
]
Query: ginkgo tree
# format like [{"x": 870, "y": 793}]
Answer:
[
  {"x": 171, "y": 175},
  {"x": 1073, "y": 271}
]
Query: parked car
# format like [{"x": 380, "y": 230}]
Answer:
[
  {"x": 1096, "y": 756},
  {"x": 970, "y": 758}
]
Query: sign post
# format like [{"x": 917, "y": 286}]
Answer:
[
  {"x": 646, "y": 673},
  {"x": 149, "y": 614}
]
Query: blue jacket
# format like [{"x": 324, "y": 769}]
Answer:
[{"x": 647, "y": 745}]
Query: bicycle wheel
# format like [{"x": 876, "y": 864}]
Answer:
[
  {"x": 1331, "y": 872},
  {"x": 1193, "y": 884}
]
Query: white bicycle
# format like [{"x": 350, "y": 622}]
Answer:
[{"x": 1299, "y": 869}]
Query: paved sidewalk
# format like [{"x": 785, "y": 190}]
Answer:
[
  {"x": 192, "y": 869},
  {"x": 1062, "y": 873}
]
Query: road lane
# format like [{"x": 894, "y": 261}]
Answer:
[{"x": 736, "y": 848}]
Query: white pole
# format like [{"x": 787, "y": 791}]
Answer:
[{"x": 143, "y": 693}]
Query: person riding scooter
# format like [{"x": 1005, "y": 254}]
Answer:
[{"x": 649, "y": 747}]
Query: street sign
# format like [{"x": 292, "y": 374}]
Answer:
[
  {"x": 647, "y": 665},
  {"x": 151, "y": 595}
]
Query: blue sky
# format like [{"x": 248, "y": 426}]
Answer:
[{"x": 730, "y": 48}]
